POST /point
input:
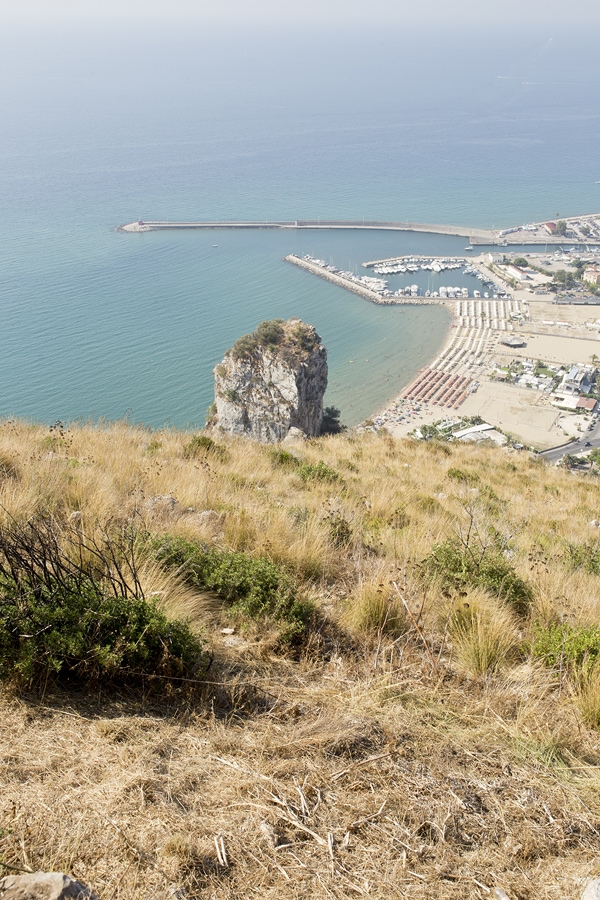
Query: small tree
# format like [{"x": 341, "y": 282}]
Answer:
[{"x": 331, "y": 421}]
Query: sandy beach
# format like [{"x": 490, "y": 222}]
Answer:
[{"x": 555, "y": 334}]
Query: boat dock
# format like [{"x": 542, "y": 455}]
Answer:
[{"x": 364, "y": 286}]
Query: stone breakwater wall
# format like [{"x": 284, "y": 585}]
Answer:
[{"x": 355, "y": 287}]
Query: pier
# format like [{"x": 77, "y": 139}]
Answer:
[
  {"x": 580, "y": 230},
  {"x": 349, "y": 283},
  {"x": 481, "y": 235}
]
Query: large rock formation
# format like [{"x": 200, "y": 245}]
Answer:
[{"x": 272, "y": 381}]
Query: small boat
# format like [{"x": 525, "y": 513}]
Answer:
[{"x": 468, "y": 248}]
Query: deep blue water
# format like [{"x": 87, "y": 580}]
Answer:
[{"x": 102, "y": 125}]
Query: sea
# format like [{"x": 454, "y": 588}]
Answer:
[{"x": 105, "y": 123}]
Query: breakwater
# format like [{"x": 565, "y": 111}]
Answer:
[
  {"x": 354, "y": 283},
  {"x": 579, "y": 231},
  {"x": 479, "y": 235}
]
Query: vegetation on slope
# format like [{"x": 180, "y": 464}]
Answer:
[{"x": 404, "y": 698}]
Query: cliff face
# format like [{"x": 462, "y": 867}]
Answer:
[{"x": 271, "y": 381}]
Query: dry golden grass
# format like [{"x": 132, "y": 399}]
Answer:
[
  {"x": 432, "y": 759},
  {"x": 483, "y": 633}
]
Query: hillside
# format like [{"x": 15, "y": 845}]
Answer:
[{"x": 398, "y": 693}]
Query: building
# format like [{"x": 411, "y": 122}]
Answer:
[
  {"x": 513, "y": 341},
  {"x": 588, "y": 404},
  {"x": 592, "y": 275},
  {"x": 578, "y": 380},
  {"x": 516, "y": 273},
  {"x": 550, "y": 227},
  {"x": 479, "y": 433}
]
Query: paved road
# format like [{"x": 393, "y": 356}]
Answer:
[{"x": 556, "y": 453}]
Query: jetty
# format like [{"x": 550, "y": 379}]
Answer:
[
  {"x": 577, "y": 230},
  {"x": 356, "y": 284},
  {"x": 479, "y": 235}
]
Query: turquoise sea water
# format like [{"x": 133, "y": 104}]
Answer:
[{"x": 102, "y": 126}]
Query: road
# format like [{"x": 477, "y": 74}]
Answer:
[{"x": 555, "y": 453}]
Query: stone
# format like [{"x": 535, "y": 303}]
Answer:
[
  {"x": 43, "y": 886},
  {"x": 271, "y": 382},
  {"x": 293, "y": 436},
  {"x": 209, "y": 517},
  {"x": 592, "y": 890},
  {"x": 164, "y": 506}
]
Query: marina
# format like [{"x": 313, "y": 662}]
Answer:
[{"x": 478, "y": 321}]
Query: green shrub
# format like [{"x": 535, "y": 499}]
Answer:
[
  {"x": 252, "y": 586},
  {"x": 584, "y": 556},
  {"x": 154, "y": 446},
  {"x": 462, "y": 476},
  {"x": 318, "y": 472},
  {"x": 72, "y": 607},
  {"x": 202, "y": 445},
  {"x": 244, "y": 346},
  {"x": 270, "y": 333},
  {"x": 284, "y": 459},
  {"x": 574, "y": 647},
  {"x": 460, "y": 567},
  {"x": 304, "y": 337}
]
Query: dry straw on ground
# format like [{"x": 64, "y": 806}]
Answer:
[{"x": 412, "y": 746}]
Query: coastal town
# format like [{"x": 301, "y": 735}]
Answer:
[
  {"x": 519, "y": 365},
  {"x": 520, "y": 358}
]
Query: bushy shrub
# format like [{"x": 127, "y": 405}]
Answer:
[
  {"x": 459, "y": 567},
  {"x": 202, "y": 445},
  {"x": 284, "y": 459},
  {"x": 462, "y": 476},
  {"x": 584, "y": 556},
  {"x": 244, "y": 346},
  {"x": 71, "y": 606},
  {"x": 252, "y": 586},
  {"x": 304, "y": 337},
  {"x": 268, "y": 334},
  {"x": 318, "y": 472},
  {"x": 573, "y": 647}
]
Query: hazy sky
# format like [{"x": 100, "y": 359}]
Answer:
[{"x": 383, "y": 12}]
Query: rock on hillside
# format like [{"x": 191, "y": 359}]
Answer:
[{"x": 271, "y": 381}]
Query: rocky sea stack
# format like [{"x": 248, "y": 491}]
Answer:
[{"x": 272, "y": 381}]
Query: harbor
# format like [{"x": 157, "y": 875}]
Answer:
[{"x": 481, "y": 318}]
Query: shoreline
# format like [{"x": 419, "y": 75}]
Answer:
[{"x": 408, "y": 411}]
